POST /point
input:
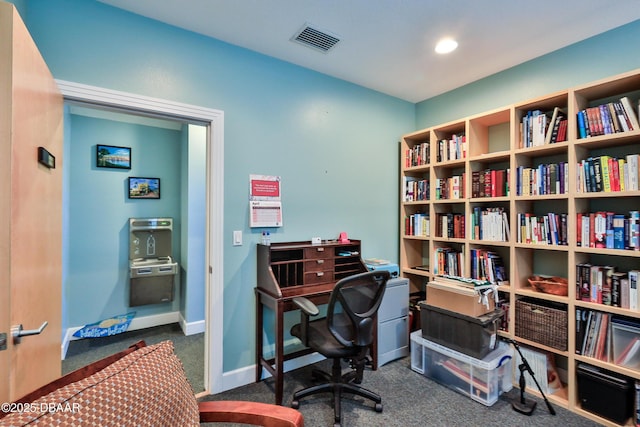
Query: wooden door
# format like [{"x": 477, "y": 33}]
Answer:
[{"x": 31, "y": 116}]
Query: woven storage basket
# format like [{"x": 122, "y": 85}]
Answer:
[{"x": 542, "y": 324}]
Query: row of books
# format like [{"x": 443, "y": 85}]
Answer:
[
  {"x": 451, "y": 188},
  {"x": 418, "y": 155},
  {"x": 490, "y": 183},
  {"x": 608, "y": 174},
  {"x": 539, "y": 127},
  {"x": 608, "y": 230},
  {"x": 602, "y": 284},
  {"x": 490, "y": 224},
  {"x": 450, "y": 225},
  {"x": 608, "y": 118},
  {"x": 547, "y": 229},
  {"x": 607, "y": 337},
  {"x": 454, "y": 148},
  {"x": 416, "y": 189},
  {"x": 488, "y": 265},
  {"x": 549, "y": 178},
  {"x": 449, "y": 261},
  {"x": 417, "y": 224},
  {"x": 593, "y": 334}
]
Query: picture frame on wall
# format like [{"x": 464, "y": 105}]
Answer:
[
  {"x": 112, "y": 156},
  {"x": 144, "y": 188}
]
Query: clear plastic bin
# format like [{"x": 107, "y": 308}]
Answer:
[{"x": 483, "y": 380}]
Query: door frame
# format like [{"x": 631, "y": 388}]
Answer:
[{"x": 214, "y": 120}]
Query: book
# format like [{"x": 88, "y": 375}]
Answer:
[
  {"x": 607, "y": 283},
  {"x": 581, "y": 323},
  {"x": 592, "y": 334},
  {"x": 600, "y": 229},
  {"x": 633, "y": 290},
  {"x": 618, "y": 231},
  {"x": 632, "y": 161},
  {"x": 616, "y": 289},
  {"x": 562, "y": 130},
  {"x": 588, "y": 327},
  {"x": 554, "y": 124},
  {"x": 582, "y": 126},
  {"x": 630, "y": 113},
  {"x": 600, "y": 351},
  {"x": 605, "y": 180}
]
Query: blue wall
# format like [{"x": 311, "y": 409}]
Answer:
[
  {"x": 334, "y": 144},
  {"x": 598, "y": 57},
  {"x": 97, "y": 233}
]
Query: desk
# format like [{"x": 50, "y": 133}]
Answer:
[{"x": 292, "y": 269}]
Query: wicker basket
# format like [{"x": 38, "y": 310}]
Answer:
[{"x": 543, "y": 324}]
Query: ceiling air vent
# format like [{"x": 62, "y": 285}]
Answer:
[{"x": 315, "y": 38}]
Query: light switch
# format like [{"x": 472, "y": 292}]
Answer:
[{"x": 237, "y": 238}]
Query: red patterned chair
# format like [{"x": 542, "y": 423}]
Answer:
[{"x": 141, "y": 386}]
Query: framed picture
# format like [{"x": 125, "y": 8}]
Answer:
[
  {"x": 144, "y": 188},
  {"x": 111, "y": 156}
]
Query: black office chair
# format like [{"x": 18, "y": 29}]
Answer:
[{"x": 346, "y": 332}]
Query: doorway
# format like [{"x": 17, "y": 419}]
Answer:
[{"x": 213, "y": 121}]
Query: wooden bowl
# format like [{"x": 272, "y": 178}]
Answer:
[{"x": 550, "y": 285}]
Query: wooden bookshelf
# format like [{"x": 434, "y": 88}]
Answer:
[{"x": 493, "y": 141}]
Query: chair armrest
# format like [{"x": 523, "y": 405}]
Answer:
[
  {"x": 254, "y": 413},
  {"x": 307, "y": 306}
]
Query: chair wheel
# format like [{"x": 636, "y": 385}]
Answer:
[
  {"x": 378, "y": 407},
  {"x": 336, "y": 424},
  {"x": 295, "y": 404}
]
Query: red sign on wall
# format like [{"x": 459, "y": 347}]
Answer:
[{"x": 265, "y": 188}]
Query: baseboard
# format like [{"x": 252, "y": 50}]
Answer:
[
  {"x": 247, "y": 375},
  {"x": 191, "y": 328},
  {"x": 136, "y": 323}
]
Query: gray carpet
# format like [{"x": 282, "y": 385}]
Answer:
[
  {"x": 409, "y": 399},
  {"x": 190, "y": 350}
]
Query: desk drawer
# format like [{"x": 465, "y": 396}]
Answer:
[
  {"x": 318, "y": 277},
  {"x": 318, "y": 252},
  {"x": 319, "y": 265}
]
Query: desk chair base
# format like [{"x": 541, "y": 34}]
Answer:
[{"x": 337, "y": 385}]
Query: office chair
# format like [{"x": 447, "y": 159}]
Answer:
[{"x": 346, "y": 332}]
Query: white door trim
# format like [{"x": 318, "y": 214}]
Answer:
[{"x": 214, "y": 119}]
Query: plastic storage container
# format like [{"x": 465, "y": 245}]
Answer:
[
  {"x": 605, "y": 393},
  {"x": 625, "y": 343},
  {"x": 473, "y": 336},
  {"x": 483, "y": 380}
]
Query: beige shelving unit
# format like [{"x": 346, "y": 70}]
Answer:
[{"x": 492, "y": 141}]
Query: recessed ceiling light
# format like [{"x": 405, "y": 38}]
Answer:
[{"x": 446, "y": 46}]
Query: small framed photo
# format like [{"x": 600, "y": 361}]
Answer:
[
  {"x": 111, "y": 156},
  {"x": 144, "y": 188}
]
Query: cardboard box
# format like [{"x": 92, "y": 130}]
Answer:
[{"x": 460, "y": 299}]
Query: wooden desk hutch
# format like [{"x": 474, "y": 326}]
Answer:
[{"x": 291, "y": 269}]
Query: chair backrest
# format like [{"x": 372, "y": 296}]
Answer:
[{"x": 352, "y": 308}]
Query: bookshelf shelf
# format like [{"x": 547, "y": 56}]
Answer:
[{"x": 512, "y": 139}]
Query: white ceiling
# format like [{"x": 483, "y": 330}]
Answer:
[{"x": 387, "y": 45}]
